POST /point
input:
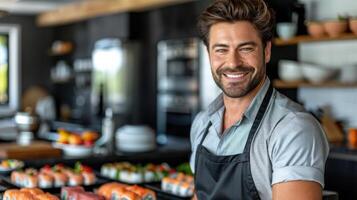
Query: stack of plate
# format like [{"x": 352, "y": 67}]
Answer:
[{"x": 132, "y": 138}]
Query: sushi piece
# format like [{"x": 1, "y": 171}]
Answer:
[
  {"x": 75, "y": 179},
  {"x": 33, "y": 191},
  {"x": 89, "y": 196},
  {"x": 105, "y": 169},
  {"x": 129, "y": 195},
  {"x": 117, "y": 193},
  {"x": 185, "y": 189},
  {"x": 10, "y": 194},
  {"x": 45, "y": 180},
  {"x": 144, "y": 193},
  {"x": 46, "y": 169},
  {"x": 24, "y": 196},
  {"x": 17, "y": 177},
  {"x": 30, "y": 181},
  {"x": 46, "y": 196},
  {"x": 89, "y": 178},
  {"x": 68, "y": 192},
  {"x": 60, "y": 179},
  {"x": 167, "y": 184},
  {"x": 106, "y": 189}
]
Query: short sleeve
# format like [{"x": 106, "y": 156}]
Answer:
[{"x": 298, "y": 149}]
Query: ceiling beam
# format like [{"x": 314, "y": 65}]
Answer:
[{"x": 80, "y": 11}]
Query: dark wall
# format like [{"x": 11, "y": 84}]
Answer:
[
  {"x": 35, "y": 42},
  {"x": 172, "y": 22}
]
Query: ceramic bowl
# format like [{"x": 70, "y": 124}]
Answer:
[
  {"x": 286, "y": 30},
  {"x": 316, "y": 29},
  {"x": 317, "y": 74},
  {"x": 353, "y": 25},
  {"x": 335, "y": 28},
  {"x": 289, "y": 70}
]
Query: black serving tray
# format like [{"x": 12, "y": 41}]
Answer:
[
  {"x": 163, "y": 195},
  {"x": 97, "y": 173},
  {"x": 57, "y": 190}
]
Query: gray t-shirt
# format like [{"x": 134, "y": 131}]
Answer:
[{"x": 289, "y": 144}]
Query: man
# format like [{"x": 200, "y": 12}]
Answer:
[{"x": 252, "y": 142}]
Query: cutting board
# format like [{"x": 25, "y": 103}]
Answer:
[{"x": 37, "y": 149}]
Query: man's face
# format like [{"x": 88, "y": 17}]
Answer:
[{"x": 237, "y": 57}]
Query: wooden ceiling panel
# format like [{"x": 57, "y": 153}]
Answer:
[{"x": 92, "y": 8}]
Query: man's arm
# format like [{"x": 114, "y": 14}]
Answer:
[{"x": 307, "y": 190}]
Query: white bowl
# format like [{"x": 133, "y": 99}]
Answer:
[
  {"x": 317, "y": 74},
  {"x": 289, "y": 70},
  {"x": 286, "y": 30},
  {"x": 74, "y": 150},
  {"x": 131, "y": 138}
]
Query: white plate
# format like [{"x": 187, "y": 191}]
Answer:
[
  {"x": 74, "y": 150},
  {"x": 19, "y": 165}
]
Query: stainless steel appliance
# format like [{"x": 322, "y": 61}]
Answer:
[
  {"x": 115, "y": 64},
  {"x": 178, "y": 83}
]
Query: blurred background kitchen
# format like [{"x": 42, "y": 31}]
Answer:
[{"x": 121, "y": 80}]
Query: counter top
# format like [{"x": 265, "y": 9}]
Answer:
[{"x": 175, "y": 152}]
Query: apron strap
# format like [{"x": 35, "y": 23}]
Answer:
[{"x": 257, "y": 121}]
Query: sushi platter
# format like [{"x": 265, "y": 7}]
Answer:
[
  {"x": 124, "y": 181},
  {"x": 135, "y": 174},
  {"x": 51, "y": 179}
]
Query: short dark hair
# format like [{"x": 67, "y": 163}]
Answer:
[{"x": 254, "y": 11}]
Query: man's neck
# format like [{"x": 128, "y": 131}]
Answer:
[{"x": 235, "y": 107}]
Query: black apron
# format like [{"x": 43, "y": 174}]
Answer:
[{"x": 227, "y": 177}]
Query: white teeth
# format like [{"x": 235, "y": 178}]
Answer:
[{"x": 234, "y": 75}]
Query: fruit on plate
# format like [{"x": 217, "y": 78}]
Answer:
[
  {"x": 10, "y": 164},
  {"x": 75, "y": 139},
  {"x": 89, "y": 136},
  {"x": 86, "y": 138}
]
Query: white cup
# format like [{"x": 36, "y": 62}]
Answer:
[{"x": 286, "y": 30}]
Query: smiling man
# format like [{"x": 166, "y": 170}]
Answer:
[{"x": 252, "y": 142}]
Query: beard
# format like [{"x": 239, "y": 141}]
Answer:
[{"x": 239, "y": 89}]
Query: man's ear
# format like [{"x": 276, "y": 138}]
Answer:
[{"x": 267, "y": 51}]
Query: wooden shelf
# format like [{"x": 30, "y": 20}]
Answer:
[
  {"x": 297, "y": 84},
  {"x": 83, "y": 10},
  {"x": 307, "y": 38}
]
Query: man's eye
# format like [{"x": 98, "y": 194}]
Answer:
[
  {"x": 221, "y": 50},
  {"x": 247, "y": 49}
]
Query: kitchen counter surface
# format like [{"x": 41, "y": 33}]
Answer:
[{"x": 175, "y": 152}]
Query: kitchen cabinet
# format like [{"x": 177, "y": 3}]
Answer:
[{"x": 300, "y": 39}]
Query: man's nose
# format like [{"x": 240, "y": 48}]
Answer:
[{"x": 234, "y": 60}]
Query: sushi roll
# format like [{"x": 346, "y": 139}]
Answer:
[
  {"x": 89, "y": 196},
  {"x": 113, "y": 172},
  {"x": 33, "y": 191},
  {"x": 149, "y": 176},
  {"x": 89, "y": 178},
  {"x": 105, "y": 169},
  {"x": 117, "y": 193},
  {"x": 46, "y": 169},
  {"x": 167, "y": 184},
  {"x": 129, "y": 195},
  {"x": 46, "y": 196},
  {"x": 17, "y": 177},
  {"x": 185, "y": 189},
  {"x": 30, "y": 181},
  {"x": 67, "y": 192},
  {"x": 144, "y": 193},
  {"x": 75, "y": 179},
  {"x": 106, "y": 189},
  {"x": 24, "y": 196},
  {"x": 60, "y": 179},
  {"x": 45, "y": 180},
  {"x": 10, "y": 194}
]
